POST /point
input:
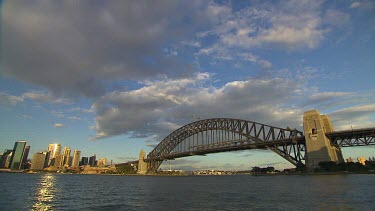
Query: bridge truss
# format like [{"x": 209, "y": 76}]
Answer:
[
  {"x": 222, "y": 135},
  {"x": 349, "y": 138}
]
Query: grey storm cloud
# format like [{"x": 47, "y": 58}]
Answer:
[{"x": 77, "y": 47}]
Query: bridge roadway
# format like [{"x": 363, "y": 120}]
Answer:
[
  {"x": 344, "y": 138},
  {"x": 291, "y": 147},
  {"x": 350, "y": 138}
]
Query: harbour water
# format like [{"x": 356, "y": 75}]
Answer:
[{"x": 236, "y": 192}]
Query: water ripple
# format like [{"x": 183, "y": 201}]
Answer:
[{"x": 99, "y": 192}]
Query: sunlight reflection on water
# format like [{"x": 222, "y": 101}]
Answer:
[{"x": 45, "y": 193}]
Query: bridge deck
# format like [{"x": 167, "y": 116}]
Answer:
[
  {"x": 345, "y": 138},
  {"x": 349, "y": 138}
]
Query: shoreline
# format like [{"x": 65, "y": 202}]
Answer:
[{"x": 187, "y": 174}]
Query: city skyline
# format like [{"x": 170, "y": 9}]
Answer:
[
  {"x": 111, "y": 79},
  {"x": 51, "y": 159}
]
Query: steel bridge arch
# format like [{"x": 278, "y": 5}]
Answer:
[{"x": 288, "y": 143}]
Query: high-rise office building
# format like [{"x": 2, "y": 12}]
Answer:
[
  {"x": 84, "y": 161},
  {"x": 7, "y": 161},
  {"x": 92, "y": 161},
  {"x": 46, "y": 162},
  {"x": 37, "y": 163},
  {"x": 58, "y": 161},
  {"x": 54, "y": 149},
  {"x": 25, "y": 156},
  {"x": 66, "y": 156},
  {"x": 76, "y": 157},
  {"x": 70, "y": 161},
  {"x": 17, "y": 156}
]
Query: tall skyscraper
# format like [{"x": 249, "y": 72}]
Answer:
[
  {"x": 54, "y": 149},
  {"x": 37, "y": 163},
  {"x": 84, "y": 161},
  {"x": 76, "y": 157},
  {"x": 66, "y": 156},
  {"x": 92, "y": 160},
  {"x": 25, "y": 156},
  {"x": 17, "y": 157},
  {"x": 7, "y": 161},
  {"x": 58, "y": 161},
  {"x": 46, "y": 162},
  {"x": 70, "y": 161}
]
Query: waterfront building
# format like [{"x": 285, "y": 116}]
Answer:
[
  {"x": 92, "y": 161},
  {"x": 66, "y": 156},
  {"x": 5, "y": 158},
  {"x": 58, "y": 161},
  {"x": 46, "y": 161},
  {"x": 84, "y": 161},
  {"x": 54, "y": 149},
  {"x": 102, "y": 162},
  {"x": 70, "y": 161},
  {"x": 361, "y": 160},
  {"x": 76, "y": 157},
  {"x": 37, "y": 163},
  {"x": 25, "y": 164},
  {"x": 17, "y": 156}
]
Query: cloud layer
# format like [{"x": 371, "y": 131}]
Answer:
[
  {"x": 93, "y": 49},
  {"x": 78, "y": 47},
  {"x": 162, "y": 106}
]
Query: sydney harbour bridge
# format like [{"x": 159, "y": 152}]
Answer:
[{"x": 318, "y": 142}]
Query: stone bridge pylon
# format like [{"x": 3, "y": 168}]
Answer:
[{"x": 319, "y": 147}]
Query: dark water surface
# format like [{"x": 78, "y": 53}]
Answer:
[{"x": 239, "y": 192}]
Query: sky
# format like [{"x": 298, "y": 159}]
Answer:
[{"x": 113, "y": 77}]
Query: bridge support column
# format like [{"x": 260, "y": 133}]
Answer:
[
  {"x": 318, "y": 146},
  {"x": 142, "y": 164}
]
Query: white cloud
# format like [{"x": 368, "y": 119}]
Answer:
[
  {"x": 336, "y": 18},
  {"x": 358, "y": 116},
  {"x": 327, "y": 96},
  {"x": 45, "y": 97},
  {"x": 219, "y": 52},
  {"x": 74, "y": 118},
  {"x": 81, "y": 110},
  {"x": 24, "y": 116},
  {"x": 191, "y": 43},
  {"x": 293, "y": 38},
  {"x": 358, "y": 109},
  {"x": 160, "y": 107},
  {"x": 9, "y": 100},
  {"x": 288, "y": 24},
  {"x": 58, "y": 125},
  {"x": 368, "y": 5}
]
